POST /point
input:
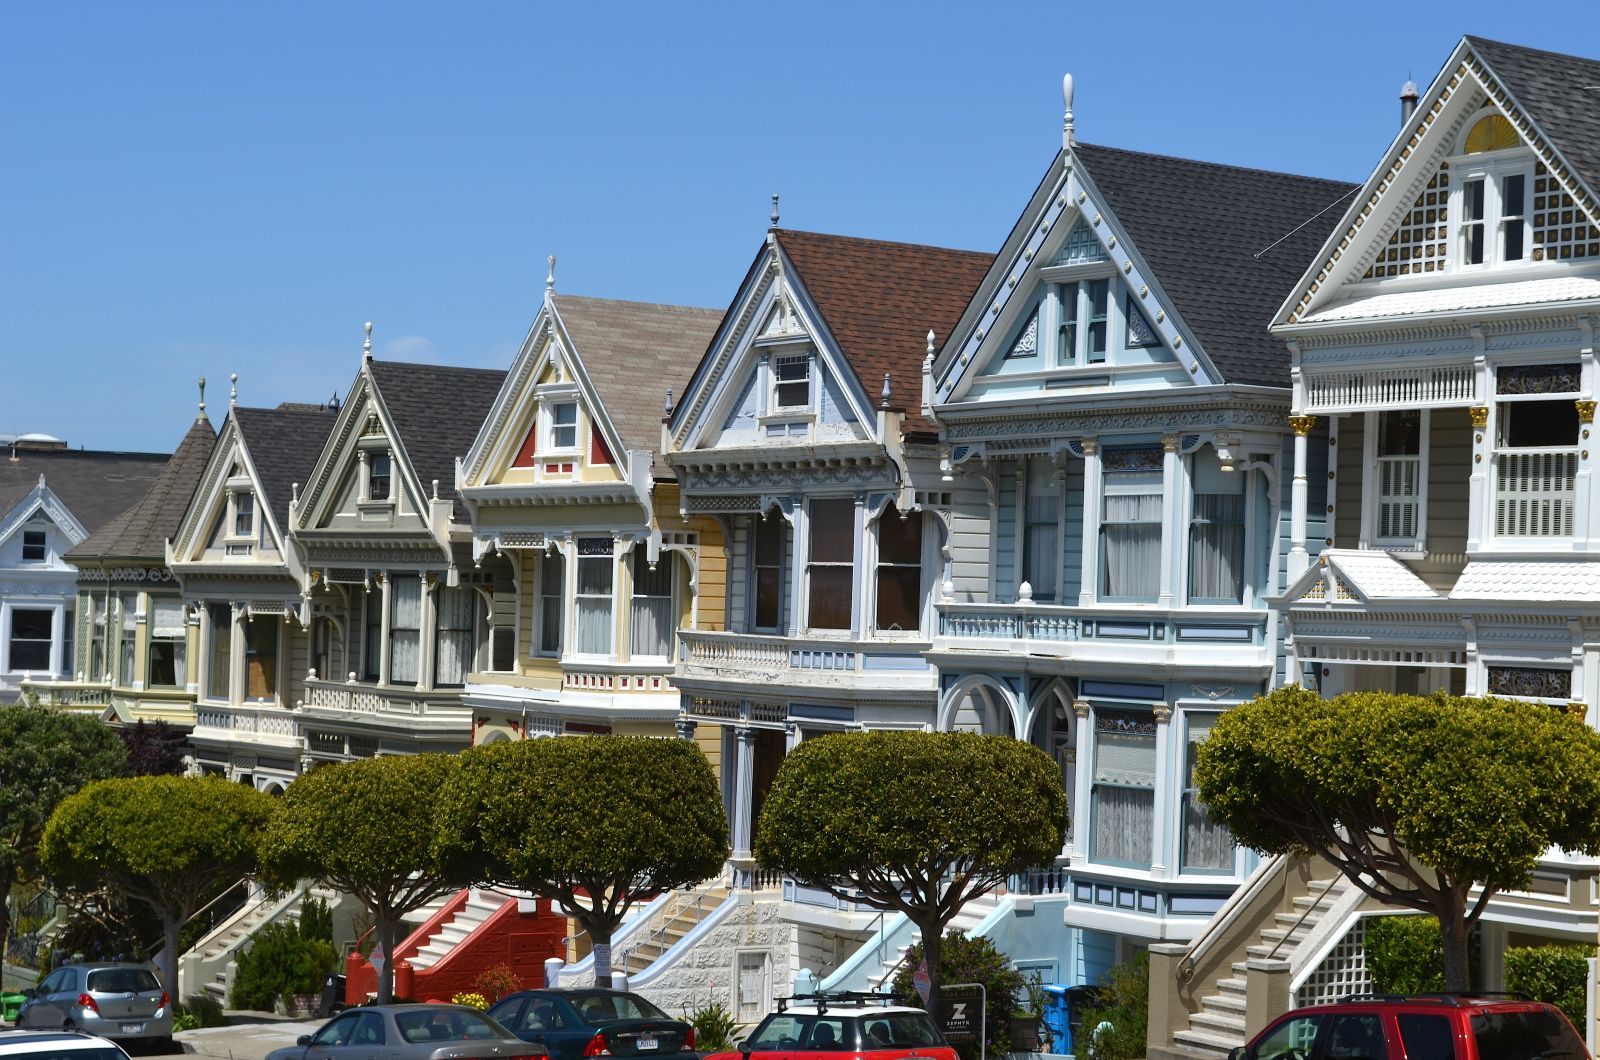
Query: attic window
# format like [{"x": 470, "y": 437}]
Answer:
[
  {"x": 791, "y": 382},
  {"x": 244, "y": 515},
  {"x": 564, "y": 425},
  {"x": 33, "y": 547},
  {"x": 379, "y": 469},
  {"x": 1493, "y": 133}
]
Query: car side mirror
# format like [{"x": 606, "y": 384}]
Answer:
[
  {"x": 30, "y": 993},
  {"x": 744, "y": 1047},
  {"x": 1236, "y": 1053},
  {"x": 304, "y": 1039}
]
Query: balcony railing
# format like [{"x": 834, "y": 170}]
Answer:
[
  {"x": 758, "y": 658},
  {"x": 1535, "y": 493},
  {"x": 1062, "y": 625},
  {"x": 273, "y": 722},
  {"x": 1354, "y": 390},
  {"x": 382, "y": 700},
  {"x": 617, "y": 677},
  {"x": 1399, "y": 497},
  {"x": 70, "y": 695}
]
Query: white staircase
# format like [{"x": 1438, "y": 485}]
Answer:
[
  {"x": 1219, "y": 1025},
  {"x": 481, "y": 905},
  {"x": 676, "y": 919},
  {"x": 966, "y": 921},
  {"x": 208, "y": 964}
]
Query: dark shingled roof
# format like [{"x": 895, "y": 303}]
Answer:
[
  {"x": 1558, "y": 92},
  {"x": 634, "y": 352},
  {"x": 1205, "y": 230},
  {"x": 95, "y": 486},
  {"x": 880, "y": 299},
  {"x": 142, "y": 531},
  {"x": 284, "y": 444},
  {"x": 437, "y": 411}
]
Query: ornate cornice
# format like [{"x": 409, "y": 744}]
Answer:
[
  {"x": 1156, "y": 419},
  {"x": 730, "y": 347}
]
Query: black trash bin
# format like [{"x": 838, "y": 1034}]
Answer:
[{"x": 332, "y": 999}]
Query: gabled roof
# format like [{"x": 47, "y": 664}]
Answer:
[
  {"x": 95, "y": 486},
  {"x": 284, "y": 444},
  {"x": 633, "y": 352},
  {"x": 437, "y": 411},
  {"x": 142, "y": 531},
  {"x": 880, "y": 299},
  {"x": 1225, "y": 244},
  {"x": 1558, "y": 92}
]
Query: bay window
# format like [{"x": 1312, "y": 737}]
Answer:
[
  {"x": 405, "y": 629},
  {"x": 768, "y": 533},
  {"x": 1130, "y": 526},
  {"x": 261, "y": 657},
  {"x": 219, "y": 654},
  {"x": 97, "y": 638},
  {"x": 453, "y": 637},
  {"x": 167, "y": 664},
  {"x": 1123, "y": 797},
  {"x": 830, "y": 565},
  {"x": 127, "y": 620},
  {"x": 1041, "y": 527},
  {"x": 899, "y": 574},
  {"x": 1216, "y": 532},
  {"x": 372, "y": 638},
  {"x": 597, "y": 572},
  {"x": 30, "y": 639},
  {"x": 552, "y": 590},
  {"x": 650, "y": 619},
  {"x": 1207, "y": 846}
]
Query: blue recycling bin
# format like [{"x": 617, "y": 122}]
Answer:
[{"x": 1055, "y": 1018}]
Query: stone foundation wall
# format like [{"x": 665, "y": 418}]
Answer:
[{"x": 710, "y": 971}]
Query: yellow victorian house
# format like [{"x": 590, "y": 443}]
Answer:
[{"x": 566, "y": 484}]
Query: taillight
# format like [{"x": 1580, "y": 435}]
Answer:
[
  {"x": 596, "y": 1046},
  {"x": 688, "y": 1039},
  {"x": 85, "y": 1001},
  {"x": 164, "y": 1001}
]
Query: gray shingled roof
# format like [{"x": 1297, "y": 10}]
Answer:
[
  {"x": 142, "y": 531},
  {"x": 1559, "y": 92},
  {"x": 95, "y": 486},
  {"x": 437, "y": 411},
  {"x": 284, "y": 444},
  {"x": 634, "y": 352},
  {"x": 1204, "y": 229}
]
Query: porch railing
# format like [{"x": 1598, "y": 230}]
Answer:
[
  {"x": 1388, "y": 387},
  {"x": 760, "y": 657},
  {"x": 1535, "y": 493},
  {"x": 257, "y": 721},
  {"x": 352, "y": 698},
  {"x": 1060, "y": 623}
]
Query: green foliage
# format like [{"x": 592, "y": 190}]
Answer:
[
  {"x": 1115, "y": 1027},
  {"x": 1557, "y": 974},
  {"x": 970, "y": 960},
  {"x": 911, "y": 819},
  {"x": 1405, "y": 954},
  {"x": 316, "y": 919},
  {"x": 184, "y": 1021},
  {"x": 1474, "y": 789},
  {"x": 45, "y": 756},
  {"x": 624, "y": 817},
  {"x": 714, "y": 1028},
  {"x": 279, "y": 964},
  {"x": 202, "y": 1010}
]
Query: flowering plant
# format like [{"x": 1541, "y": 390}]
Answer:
[{"x": 471, "y": 1000}]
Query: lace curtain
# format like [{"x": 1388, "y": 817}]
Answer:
[
  {"x": 1124, "y": 797},
  {"x": 454, "y": 647},
  {"x": 1216, "y": 547},
  {"x": 650, "y": 625},
  {"x": 1207, "y": 846},
  {"x": 1131, "y": 543},
  {"x": 1041, "y": 552},
  {"x": 552, "y": 584},
  {"x": 405, "y": 629},
  {"x": 595, "y": 576},
  {"x": 127, "y": 607}
]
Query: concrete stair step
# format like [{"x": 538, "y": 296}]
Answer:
[
  {"x": 1230, "y": 1004},
  {"x": 1219, "y": 1022},
  {"x": 1208, "y": 1043},
  {"x": 1231, "y": 987}
]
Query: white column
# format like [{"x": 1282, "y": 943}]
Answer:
[
  {"x": 743, "y": 791},
  {"x": 1166, "y": 770},
  {"x": 797, "y": 596},
  {"x": 236, "y": 657},
  {"x": 427, "y": 631},
  {"x": 383, "y": 630},
  {"x": 1299, "y": 559},
  {"x": 1169, "y": 510},
  {"x": 858, "y": 590},
  {"x": 1478, "y": 493},
  {"x": 1092, "y": 507},
  {"x": 1078, "y": 841}
]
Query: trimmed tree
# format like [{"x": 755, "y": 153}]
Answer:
[
  {"x": 364, "y": 827},
  {"x": 168, "y": 843},
  {"x": 1416, "y": 800},
  {"x": 594, "y": 823},
  {"x": 913, "y": 822},
  {"x": 45, "y": 755}
]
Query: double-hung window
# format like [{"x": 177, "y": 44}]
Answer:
[
  {"x": 1130, "y": 526},
  {"x": 1207, "y": 845},
  {"x": 219, "y": 653},
  {"x": 830, "y": 566},
  {"x": 1123, "y": 796},
  {"x": 127, "y": 622},
  {"x": 552, "y": 589},
  {"x": 168, "y": 645},
  {"x": 33, "y": 546},
  {"x": 453, "y": 637},
  {"x": 372, "y": 656},
  {"x": 597, "y": 574},
  {"x": 899, "y": 581},
  {"x": 1041, "y": 527},
  {"x": 650, "y": 620},
  {"x": 769, "y": 532},
  {"x": 1217, "y": 532},
  {"x": 244, "y": 515},
  {"x": 563, "y": 426},
  {"x": 30, "y": 639},
  {"x": 405, "y": 629},
  {"x": 1084, "y": 307},
  {"x": 379, "y": 469},
  {"x": 791, "y": 381}
]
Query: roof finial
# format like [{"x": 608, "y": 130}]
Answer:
[
  {"x": 550, "y": 277},
  {"x": 366, "y": 347},
  {"x": 666, "y": 407},
  {"x": 1068, "y": 130},
  {"x": 202, "y": 414},
  {"x": 233, "y": 390},
  {"x": 774, "y": 209},
  {"x": 884, "y": 397},
  {"x": 930, "y": 345}
]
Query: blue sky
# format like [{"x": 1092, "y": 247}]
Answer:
[{"x": 199, "y": 189}]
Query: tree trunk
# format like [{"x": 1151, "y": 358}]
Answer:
[
  {"x": 933, "y": 956},
  {"x": 1453, "y": 932},
  {"x": 600, "y": 940},
  {"x": 386, "y": 939},
  {"x": 171, "y": 924}
]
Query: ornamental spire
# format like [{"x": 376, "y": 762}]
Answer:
[{"x": 1068, "y": 128}]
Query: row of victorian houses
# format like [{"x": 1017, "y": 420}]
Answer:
[{"x": 1193, "y": 432}]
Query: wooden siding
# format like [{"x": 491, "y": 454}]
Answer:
[
  {"x": 1449, "y": 480},
  {"x": 1351, "y": 470}
]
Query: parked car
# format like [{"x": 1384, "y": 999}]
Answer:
[
  {"x": 1419, "y": 1027},
  {"x": 850, "y": 1026},
  {"x": 409, "y": 1032},
  {"x": 60, "y": 1045},
  {"x": 119, "y": 1001},
  {"x": 573, "y": 1024}
]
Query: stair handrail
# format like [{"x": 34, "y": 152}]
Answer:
[
  {"x": 1337, "y": 879},
  {"x": 1217, "y": 928}
]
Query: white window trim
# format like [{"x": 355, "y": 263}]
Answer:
[
  {"x": 22, "y": 545},
  {"x": 378, "y": 447},
  {"x": 537, "y": 649},
  {"x": 1491, "y": 431},
  {"x": 57, "y": 611},
  {"x": 1490, "y": 167},
  {"x": 778, "y": 411},
  {"x": 804, "y": 563},
  {"x": 1417, "y": 545},
  {"x": 570, "y": 647},
  {"x": 547, "y": 426},
  {"x": 927, "y": 563},
  {"x": 1183, "y": 496},
  {"x": 1050, "y": 313},
  {"x": 665, "y": 556}
]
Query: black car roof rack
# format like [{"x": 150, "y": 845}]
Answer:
[
  {"x": 1444, "y": 997},
  {"x": 838, "y": 997}
]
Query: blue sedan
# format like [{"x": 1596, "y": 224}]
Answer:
[{"x": 575, "y": 1024}]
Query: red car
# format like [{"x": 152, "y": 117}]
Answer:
[
  {"x": 843, "y": 1027},
  {"x": 1419, "y": 1027}
]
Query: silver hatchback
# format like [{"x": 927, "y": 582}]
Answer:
[{"x": 116, "y": 1001}]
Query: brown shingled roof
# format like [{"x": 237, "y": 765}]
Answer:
[
  {"x": 880, "y": 299},
  {"x": 142, "y": 531}
]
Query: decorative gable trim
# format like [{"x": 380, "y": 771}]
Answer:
[
  {"x": 210, "y": 500},
  {"x": 43, "y": 499},
  {"x": 363, "y": 414}
]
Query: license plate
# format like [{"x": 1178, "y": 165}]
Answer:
[
  {"x": 646, "y": 1044},
  {"x": 132, "y": 1028}
]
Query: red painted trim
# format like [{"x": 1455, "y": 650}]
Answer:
[
  {"x": 361, "y": 978},
  {"x": 599, "y": 452},
  {"x": 525, "y": 454}
]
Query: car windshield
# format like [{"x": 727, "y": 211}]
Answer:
[
  {"x": 122, "y": 981},
  {"x": 1540, "y": 1034},
  {"x": 805, "y": 1033},
  {"x": 446, "y": 1025},
  {"x": 895, "y": 1030},
  {"x": 607, "y": 1008}
]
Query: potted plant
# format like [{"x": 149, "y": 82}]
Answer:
[{"x": 1028, "y": 1031}]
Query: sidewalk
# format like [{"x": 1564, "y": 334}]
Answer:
[{"x": 245, "y": 1040}]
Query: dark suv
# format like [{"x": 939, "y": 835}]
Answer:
[{"x": 1419, "y": 1027}]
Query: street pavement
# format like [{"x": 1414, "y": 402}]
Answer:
[{"x": 245, "y": 1041}]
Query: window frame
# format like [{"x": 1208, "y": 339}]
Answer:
[
  {"x": 1372, "y": 431},
  {"x": 1491, "y": 168},
  {"x": 1499, "y": 405},
  {"x": 806, "y": 360},
  {"x": 275, "y": 623},
  {"x": 371, "y": 494},
  {"x": 831, "y": 566},
  {"x": 1098, "y": 707},
  {"x": 440, "y": 630},
  {"x": 637, "y": 555},
  {"x": 1026, "y": 526},
  {"x": 779, "y": 531},
  {"x": 394, "y": 579},
  {"x": 1249, "y": 492},
  {"x": 880, "y": 565},
  {"x": 42, "y": 544},
  {"x": 550, "y": 423},
  {"x": 552, "y": 587},
  {"x": 1187, "y": 789},
  {"x": 179, "y": 644},
  {"x": 49, "y": 640},
  {"x": 1055, "y": 306},
  {"x": 609, "y": 558},
  {"x": 1102, "y": 558}
]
